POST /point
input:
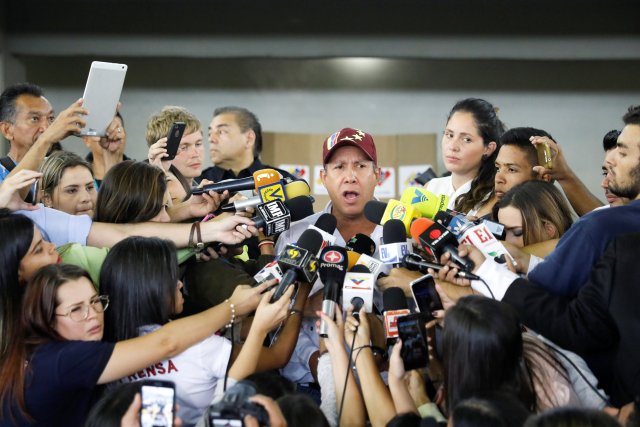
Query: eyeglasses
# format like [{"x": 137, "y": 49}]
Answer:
[
  {"x": 359, "y": 168},
  {"x": 80, "y": 312}
]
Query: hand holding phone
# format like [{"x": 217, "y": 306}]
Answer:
[
  {"x": 173, "y": 139},
  {"x": 411, "y": 331},
  {"x": 158, "y": 403},
  {"x": 544, "y": 155}
]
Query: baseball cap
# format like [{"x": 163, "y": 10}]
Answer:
[{"x": 353, "y": 137}]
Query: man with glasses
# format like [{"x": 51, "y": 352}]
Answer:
[{"x": 350, "y": 175}]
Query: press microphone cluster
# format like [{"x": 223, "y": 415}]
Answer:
[{"x": 291, "y": 190}]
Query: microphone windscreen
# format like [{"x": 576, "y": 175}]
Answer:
[
  {"x": 327, "y": 222},
  {"x": 362, "y": 244},
  {"x": 419, "y": 226},
  {"x": 394, "y": 231},
  {"x": 297, "y": 189},
  {"x": 359, "y": 268},
  {"x": 443, "y": 218},
  {"x": 310, "y": 240},
  {"x": 300, "y": 207},
  {"x": 394, "y": 299},
  {"x": 374, "y": 211},
  {"x": 353, "y": 257},
  {"x": 265, "y": 177},
  {"x": 332, "y": 264}
]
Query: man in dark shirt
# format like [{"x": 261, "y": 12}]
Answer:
[{"x": 235, "y": 144}]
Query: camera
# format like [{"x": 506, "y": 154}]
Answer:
[{"x": 234, "y": 406}]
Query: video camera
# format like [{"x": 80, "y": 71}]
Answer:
[{"x": 234, "y": 406}]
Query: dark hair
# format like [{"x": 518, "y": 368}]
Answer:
[
  {"x": 538, "y": 201},
  {"x": 246, "y": 120},
  {"x": 131, "y": 192},
  {"x": 610, "y": 140},
  {"x": 118, "y": 115},
  {"x": 519, "y": 137},
  {"x": 300, "y": 409},
  {"x": 490, "y": 128},
  {"x": 17, "y": 234},
  {"x": 490, "y": 409},
  {"x": 9, "y": 96},
  {"x": 632, "y": 116},
  {"x": 182, "y": 180},
  {"x": 140, "y": 275},
  {"x": 409, "y": 419},
  {"x": 110, "y": 409},
  {"x": 572, "y": 417},
  {"x": 272, "y": 384},
  {"x": 482, "y": 351}
]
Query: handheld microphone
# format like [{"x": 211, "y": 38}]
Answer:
[
  {"x": 438, "y": 239},
  {"x": 362, "y": 244},
  {"x": 353, "y": 258},
  {"x": 232, "y": 185},
  {"x": 269, "y": 185},
  {"x": 395, "y": 305},
  {"x": 395, "y": 246},
  {"x": 325, "y": 225},
  {"x": 273, "y": 217},
  {"x": 291, "y": 190},
  {"x": 300, "y": 207},
  {"x": 332, "y": 267},
  {"x": 427, "y": 203},
  {"x": 299, "y": 262},
  {"x": 379, "y": 212},
  {"x": 268, "y": 272},
  {"x": 357, "y": 289},
  {"x": 416, "y": 262}
]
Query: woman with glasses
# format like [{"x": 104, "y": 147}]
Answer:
[{"x": 51, "y": 376}]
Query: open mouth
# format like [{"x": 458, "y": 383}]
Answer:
[{"x": 350, "y": 195}]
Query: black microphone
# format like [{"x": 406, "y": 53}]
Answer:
[
  {"x": 332, "y": 267},
  {"x": 416, "y": 262},
  {"x": 300, "y": 207},
  {"x": 273, "y": 217},
  {"x": 299, "y": 261},
  {"x": 326, "y": 225},
  {"x": 395, "y": 246},
  {"x": 395, "y": 305},
  {"x": 362, "y": 244},
  {"x": 438, "y": 239},
  {"x": 230, "y": 184}
]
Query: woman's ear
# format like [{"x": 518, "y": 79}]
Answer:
[
  {"x": 489, "y": 149},
  {"x": 550, "y": 230},
  {"x": 45, "y": 199}
]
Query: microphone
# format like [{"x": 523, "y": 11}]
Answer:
[
  {"x": 379, "y": 212},
  {"x": 395, "y": 246},
  {"x": 438, "y": 239},
  {"x": 273, "y": 217},
  {"x": 291, "y": 190},
  {"x": 332, "y": 267},
  {"x": 268, "y": 272},
  {"x": 299, "y": 262},
  {"x": 232, "y": 185},
  {"x": 362, "y": 244},
  {"x": 357, "y": 289},
  {"x": 352, "y": 258},
  {"x": 395, "y": 305},
  {"x": 300, "y": 207},
  {"x": 427, "y": 203},
  {"x": 269, "y": 185},
  {"x": 416, "y": 262},
  {"x": 325, "y": 225}
]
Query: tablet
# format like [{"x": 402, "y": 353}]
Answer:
[{"x": 101, "y": 96}]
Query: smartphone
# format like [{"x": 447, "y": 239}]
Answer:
[
  {"x": 425, "y": 296},
  {"x": 412, "y": 332},
  {"x": 173, "y": 139},
  {"x": 158, "y": 403},
  {"x": 544, "y": 155}
]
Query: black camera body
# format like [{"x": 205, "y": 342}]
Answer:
[{"x": 234, "y": 406}]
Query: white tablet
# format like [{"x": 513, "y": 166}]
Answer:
[{"x": 101, "y": 96}]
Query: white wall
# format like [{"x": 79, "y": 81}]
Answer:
[{"x": 577, "y": 120}]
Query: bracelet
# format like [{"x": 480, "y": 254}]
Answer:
[
  {"x": 195, "y": 229},
  {"x": 233, "y": 314},
  {"x": 295, "y": 311},
  {"x": 266, "y": 242}
]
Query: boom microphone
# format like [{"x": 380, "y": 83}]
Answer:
[{"x": 332, "y": 267}]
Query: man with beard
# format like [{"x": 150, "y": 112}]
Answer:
[
  {"x": 609, "y": 142},
  {"x": 566, "y": 269}
]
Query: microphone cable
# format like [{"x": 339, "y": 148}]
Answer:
[{"x": 346, "y": 378}]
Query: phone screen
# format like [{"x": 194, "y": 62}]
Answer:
[
  {"x": 158, "y": 402},
  {"x": 414, "y": 346},
  {"x": 173, "y": 139},
  {"x": 425, "y": 295}
]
